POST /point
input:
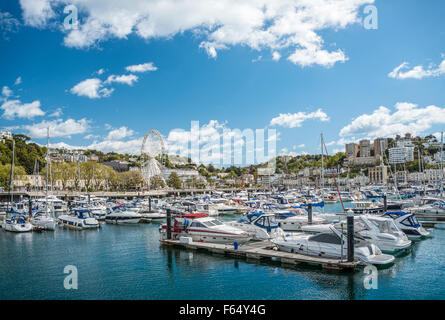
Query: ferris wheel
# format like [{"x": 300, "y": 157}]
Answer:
[{"x": 152, "y": 147}]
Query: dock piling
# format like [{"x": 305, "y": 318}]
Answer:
[
  {"x": 309, "y": 213},
  {"x": 385, "y": 203},
  {"x": 30, "y": 207},
  {"x": 169, "y": 222},
  {"x": 350, "y": 228}
]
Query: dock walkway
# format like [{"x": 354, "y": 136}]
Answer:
[{"x": 265, "y": 250}]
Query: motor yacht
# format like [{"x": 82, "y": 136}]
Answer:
[
  {"x": 333, "y": 244},
  {"x": 79, "y": 219},
  {"x": 361, "y": 207},
  {"x": 200, "y": 227},
  {"x": 291, "y": 221},
  {"x": 382, "y": 232},
  {"x": 122, "y": 216},
  {"x": 260, "y": 225},
  {"x": 434, "y": 207},
  {"x": 408, "y": 223}
]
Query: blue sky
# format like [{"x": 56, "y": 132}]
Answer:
[{"x": 345, "y": 75}]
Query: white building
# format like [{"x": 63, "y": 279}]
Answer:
[
  {"x": 433, "y": 176},
  {"x": 401, "y": 155},
  {"x": 405, "y": 144},
  {"x": 438, "y": 158},
  {"x": 5, "y": 134}
]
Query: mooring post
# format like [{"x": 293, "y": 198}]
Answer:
[
  {"x": 385, "y": 203},
  {"x": 30, "y": 206},
  {"x": 350, "y": 228},
  {"x": 169, "y": 224},
  {"x": 149, "y": 204},
  {"x": 309, "y": 213}
]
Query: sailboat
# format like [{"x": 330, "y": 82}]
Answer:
[
  {"x": 42, "y": 219},
  {"x": 15, "y": 223}
]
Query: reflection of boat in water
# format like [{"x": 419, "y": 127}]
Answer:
[
  {"x": 260, "y": 225},
  {"x": 202, "y": 228},
  {"x": 331, "y": 245},
  {"x": 408, "y": 223}
]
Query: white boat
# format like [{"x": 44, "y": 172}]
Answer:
[
  {"x": 42, "y": 220},
  {"x": 123, "y": 217},
  {"x": 382, "y": 232},
  {"x": 200, "y": 227},
  {"x": 408, "y": 223},
  {"x": 361, "y": 207},
  {"x": 15, "y": 224},
  {"x": 156, "y": 216},
  {"x": 434, "y": 207},
  {"x": 332, "y": 245},
  {"x": 56, "y": 205},
  {"x": 206, "y": 208},
  {"x": 261, "y": 226},
  {"x": 290, "y": 221},
  {"x": 79, "y": 219}
]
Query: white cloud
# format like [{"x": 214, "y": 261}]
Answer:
[
  {"x": 57, "y": 113},
  {"x": 276, "y": 56},
  {"x": 384, "y": 122},
  {"x": 8, "y": 24},
  {"x": 132, "y": 146},
  {"x": 6, "y": 92},
  {"x": 417, "y": 72},
  {"x": 119, "y": 134},
  {"x": 100, "y": 71},
  {"x": 144, "y": 67},
  {"x": 18, "y": 81},
  {"x": 58, "y": 128},
  {"x": 91, "y": 88},
  {"x": 257, "y": 59},
  {"x": 292, "y": 120},
  {"x": 15, "y": 108},
  {"x": 126, "y": 79},
  {"x": 36, "y": 13},
  {"x": 279, "y": 25},
  {"x": 308, "y": 57}
]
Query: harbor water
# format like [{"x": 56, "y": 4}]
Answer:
[{"x": 127, "y": 262}]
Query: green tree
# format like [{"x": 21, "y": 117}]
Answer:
[
  {"x": 156, "y": 183},
  {"x": 5, "y": 175},
  {"x": 174, "y": 181}
]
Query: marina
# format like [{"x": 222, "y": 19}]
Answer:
[{"x": 129, "y": 262}]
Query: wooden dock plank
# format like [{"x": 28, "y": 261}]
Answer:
[{"x": 261, "y": 250}]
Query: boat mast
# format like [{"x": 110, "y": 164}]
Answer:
[
  {"x": 322, "y": 162},
  {"x": 11, "y": 185},
  {"x": 47, "y": 164},
  {"x": 441, "y": 164}
]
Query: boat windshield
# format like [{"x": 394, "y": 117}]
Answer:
[{"x": 209, "y": 224}]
